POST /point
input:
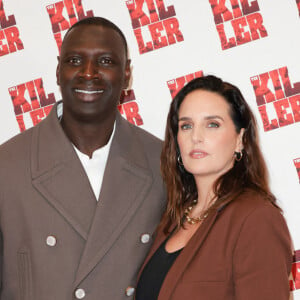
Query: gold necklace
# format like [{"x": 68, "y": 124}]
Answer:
[{"x": 192, "y": 220}]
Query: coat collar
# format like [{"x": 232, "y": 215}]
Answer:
[{"x": 58, "y": 175}]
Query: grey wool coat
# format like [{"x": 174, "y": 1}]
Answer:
[{"x": 57, "y": 241}]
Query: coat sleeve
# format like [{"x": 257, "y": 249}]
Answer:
[{"x": 262, "y": 257}]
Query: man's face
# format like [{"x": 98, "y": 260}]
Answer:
[{"x": 92, "y": 71}]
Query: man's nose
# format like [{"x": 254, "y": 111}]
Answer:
[{"x": 89, "y": 70}]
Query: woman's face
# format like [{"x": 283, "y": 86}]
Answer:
[{"x": 207, "y": 137}]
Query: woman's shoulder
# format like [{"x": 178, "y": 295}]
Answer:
[{"x": 253, "y": 203}]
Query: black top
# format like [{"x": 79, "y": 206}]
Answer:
[{"x": 154, "y": 273}]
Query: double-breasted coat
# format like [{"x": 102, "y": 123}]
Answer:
[
  {"x": 242, "y": 251},
  {"x": 57, "y": 241}
]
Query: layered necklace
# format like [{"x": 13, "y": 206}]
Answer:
[{"x": 193, "y": 220}]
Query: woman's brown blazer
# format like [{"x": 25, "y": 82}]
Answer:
[{"x": 241, "y": 252}]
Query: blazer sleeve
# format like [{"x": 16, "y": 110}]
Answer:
[{"x": 263, "y": 256}]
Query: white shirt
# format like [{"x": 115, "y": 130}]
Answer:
[{"x": 95, "y": 166}]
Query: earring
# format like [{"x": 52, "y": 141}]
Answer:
[
  {"x": 179, "y": 160},
  {"x": 238, "y": 155}
]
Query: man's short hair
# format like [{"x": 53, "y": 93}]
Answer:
[{"x": 101, "y": 22}]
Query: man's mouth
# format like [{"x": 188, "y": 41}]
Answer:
[{"x": 89, "y": 92}]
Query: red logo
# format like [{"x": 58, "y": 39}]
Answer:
[
  {"x": 9, "y": 34},
  {"x": 243, "y": 19},
  {"x": 297, "y": 165},
  {"x": 129, "y": 108},
  {"x": 175, "y": 85},
  {"x": 278, "y": 100},
  {"x": 75, "y": 12},
  {"x": 298, "y": 5},
  {"x": 295, "y": 282},
  {"x": 30, "y": 113},
  {"x": 159, "y": 28}
]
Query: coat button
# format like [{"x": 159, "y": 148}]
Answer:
[
  {"x": 145, "y": 238},
  {"x": 130, "y": 291},
  {"x": 51, "y": 240},
  {"x": 80, "y": 293}
]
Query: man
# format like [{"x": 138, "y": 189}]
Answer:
[{"x": 61, "y": 238}]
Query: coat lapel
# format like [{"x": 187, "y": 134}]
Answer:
[
  {"x": 125, "y": 184},
  {"x": 59, "y": 177},
  {"x": 185, "y": 258}
]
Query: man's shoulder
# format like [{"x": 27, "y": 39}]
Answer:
[
  {"x": 17, "y": 142},
  {"x": 144, "y": 136}
]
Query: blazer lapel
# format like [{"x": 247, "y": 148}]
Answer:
[
  {"x": 59, "y": 176},
  {"x": 185, "y": 258},
  {"x": 125, "y": 184}
]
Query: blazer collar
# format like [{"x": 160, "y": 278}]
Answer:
[{"x": 185, "y": 256}]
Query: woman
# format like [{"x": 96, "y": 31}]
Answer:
[{"x": 222, "y": 235}]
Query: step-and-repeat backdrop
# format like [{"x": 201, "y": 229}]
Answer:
[{"x": 252, "y": 43}]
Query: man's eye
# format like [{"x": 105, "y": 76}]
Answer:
[
  {"x": 213, "y": 125},
  {"x": 74, "y": 60},
  {"x": 105, "y": 60},
  {"x": 186, "y": 126}
]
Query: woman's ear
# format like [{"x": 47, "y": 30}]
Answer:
[{"x": 239, "y": 144}]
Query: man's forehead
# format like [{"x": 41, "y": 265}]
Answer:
[{"x": 97, "y": 31}]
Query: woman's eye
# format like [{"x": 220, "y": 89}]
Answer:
[
  {"x": 186, "y": 126},
  {"x": 213, "y": 125}
]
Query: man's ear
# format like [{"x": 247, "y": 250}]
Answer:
[
  {"x": 57, "y": 70},
  {"x": 127, "y": 73}
]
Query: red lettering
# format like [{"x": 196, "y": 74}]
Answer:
[
  {"x": 298, "y": 5},
  {"x": 220, "y": 11},
  {"x": 20, "y": 104},
  {"x": 295, "y": 284},
  {"x": 249, "y": 8},
  {"x": 177, "y": 84},
  {"x": 137, "y": 15},
  {"x": 262, "y": 92},
  {"x": 289, "y": 90},
  {"x": 264, "y": 116},
  {"x": 163, "y": 12},
  {"x": 277, "y": 84},
  {"x": 236, "y": 9},
  {"x": 256, "y": 26},
  {"x": 158, "y": 40},
  {"x": 295, "y": 104},
  {"x": 44, "y": 100},
  {"x": 37, "y": 116},
  {"x": 172, "y": 30},
  {"x": 4, "y": 23},
  {"x": 283, "y": 117},
  {"x": 32, "y": 94},
  {"x": 126, "y": 97},
  {"x": 132, "y": 113},
  {"x": 238, "y": 25},
  {"x": 21, "y": 123},
  {"x": 3, "y": 47},
  {"x": 142, "y": 47},
  {"x": 225, "y": 44},
  {"x": 78, "y": 9},
  {"x": 172, "y": 34},
  {"x": 13, "y": 39},
  {"x": 58, "y": 21},
  {"x": 58, "y": 39}
]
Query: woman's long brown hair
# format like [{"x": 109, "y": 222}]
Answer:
[{"x": 248, "y": 173}]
